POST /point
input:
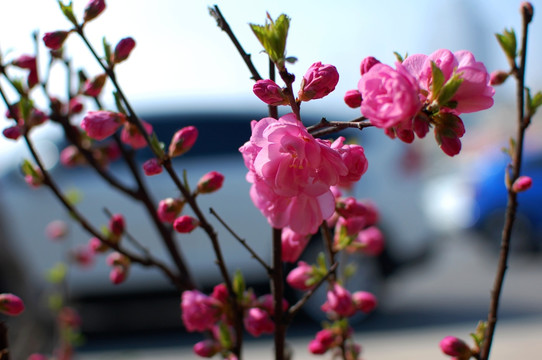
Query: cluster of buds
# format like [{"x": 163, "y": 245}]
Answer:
[
  {"x": 120, "y": 266},
  {"x": 26, "y": 117},
  {"x": 319, "y": 80}
]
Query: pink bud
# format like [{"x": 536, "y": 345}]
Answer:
[
  {"x": 75, "y": 106},
  {"x": 258, "y": 322},
  {"x": 300, "y": 275},
  {"x": 123, "y": 50},
  {"x": 522, "y": 183},
  {"x": 117, "y": 224},
  {"x": 367, "y": 64},
  {"x": 70, "y": 156},
  {"x": 169, "y": 209},
  {"x": 292, "y": 244},
  {"x": 269, "y": 92},
  {"x": 371, "y": 241},
  {"x": 318, "y": 82},
  {"x": 117, "y": 259},
  {"x": 12, "y": 132},
  {"x": 527, "y": 11},
  {"x": 152, "y": 167},
  {"x": 131, "y": 135},
  {"x": 185, "y": 224},
  {"x": 339, "y": 300},
  {"x": 364, "y": 301},
  {"x": 69, "y": 317},
  {"x": 37, "y": 356},
  {"x": 25, "y": 62},
  {"x": 350, "y": 207},
  {"x": 102, "y": 124},
  {"x": 206, "y": 348},
  {"x": 93, "y": 87},
  {"x": 183, "y": 140},
  {"x": 97, "y": 245},
  {"x": 56, "y": 230},
  {"x": 210, "y": 182},
  {"x": 352, "y": 98},
  {"x": 32, "y": 79},
  {"x": 453, "y": 346},
  {"x": 55, "y": 39},
  {"x": 11, "y": 304},
  {"x": 267, "y": 302},
  {"x": 93, "y": 9},
  {"x": 82, "y": 256},
  {"x": 498, "y": 77},
  {"x": 317, "y": 348},
  {"x": 118, "y": 274},
  {"x": 220, "y": 293}
]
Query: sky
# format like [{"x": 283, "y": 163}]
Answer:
[{"x": 183, "y": 60}]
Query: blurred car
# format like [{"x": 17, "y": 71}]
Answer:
[
  {"x": 27, "y": 211},
  {"x": 474, "y": 198}
]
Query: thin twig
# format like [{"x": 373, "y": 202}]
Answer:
[
  {"x": 277, "y": 287},
  {"x": 241, "y": 241},
  {"x": 512, "y": 197}
]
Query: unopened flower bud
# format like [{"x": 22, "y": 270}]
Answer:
[
  {"x": 75, "y": 106},
  {"x": 522, "y": 183},
  {"x": 364, "y": 301},
  {"x": 11, "y": 304},
  {"x": 97, "y": 245},
  {"x": 102, "y": 124},
  {"x": 169, "y": 209},
  {"x": 206, "y": 348},
  {"x": 453, "y": 346},
  {"x": 93, "y": 87},
  {"x": 299, "y": 277},
  {"x": 352, "y": 98},
  {"x": 117, "y": 224},
  {"x": 55, "y": 39},
  {"x": 210, "y": 182},
  {"x": 269, "y": 92},
  {"x": 152, "y": 167},
  {"x": 185, "y": 224},
  {"x": 527, "y": 11},
  {"x": 117, "y": 259},
  {"x": 367, "y": 64},
  {"x": 371, "y": 241},
  {"x": 82, "y": 256},
  {"x": 318, "y": 82},
  {"x": 183, "y": 140},
  {"x": 12, "y": 132},
  {"x": 131, "y": 135},
  {"x": 27, "y": 62},
  {"x": 123, "y": 50},
  {"x": 258, "y": 321},
  {"x": 93, "y": 9},
  {"x": 498, "y": 77},
  {"x": 118, "y": 274},
  {"x": 56, "y": 230}
]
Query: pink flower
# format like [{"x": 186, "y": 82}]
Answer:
[
  {"x": 199, "y": 311},
  {"x": 220, "y": 293},
  {"x": 453, "y": 346},
  {"x": 11, "y": 304},
  {"x": 210, "y": 182},
  {"x": 293, "y": 244},
  {"x": 354, "y": 158},
  {"x": 364, "y": 301},
  {"x": 350, "y": 207},
  {"x": 123, "y": 49},
  {"x": 169, "y": 209},
  {"x": 522, "y": 183},
  {"x": 339, "y": 300},
  {"x": 291, "y": 174},
  {"x": 118, "y": 274},
  {"x": 370, "y": 241},
  {"x": 352, "y": 98},
  {"x": 367, "y": 64},
  {"x": 185, "y": 224},
  {"x": 131, "y": 135},
  {"x": 102, "y": 124},
  {"x": 269, "y": 92},
  {"x": 93, "y": 87},
  {"x": 389, "y": 96},
  {"x": 258, "y": 321},
  {"x": 299, "y": 277},
  {"x": 267, "y": 302},
  {"x": 93, "y": 9},
  {"x": 55, "y": 39},
  {"x": 183, "y": 140},
  {"x": 152, "y": 167},
  {"x": 318, "y": 81}
]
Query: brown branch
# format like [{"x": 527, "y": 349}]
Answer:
[
  {"x": 223, "y": 25},
  {"x": 325, "y": 127},
  {"x": 277, "y": 287},
  {"x": 4, "y": 345},
  {"x": 512, "y": 196}
]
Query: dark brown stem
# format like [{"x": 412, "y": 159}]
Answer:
[
  {"x": 512, "y": 198},
  {"x": 277, "y": 286},
  {"x": 325, "y": 127},
  {"x": 289, "y": 80},
  {"x": 4, "y": 346},
  {"x": 223, "y": 24},
  {"x": 328, "y": 243}
]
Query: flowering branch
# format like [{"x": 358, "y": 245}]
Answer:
[{"x": 523, "y": 122}]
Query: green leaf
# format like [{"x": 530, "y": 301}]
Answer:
[
  {"x": 107, "y": 51},
  {"x": 398, "y": 56},
  {"x": 507, "y": 41},
  {"x": 273, "y": 37},
  {"x": 448, "y": 90},
  {"x": 67, "y": 10},
  {"x": 224, "y": 336},
  {"x": 239, "y": 285},
  {"x": 533, "y": 102},
  {"x": 479, "y": 334},
  {"x": 74, "y": 196},
  {"x": 57, "y": 273},
  {"x": 157, "y": 146},
  {"x": 438, "y": 79},
  {"x": 55, "y": 302}
]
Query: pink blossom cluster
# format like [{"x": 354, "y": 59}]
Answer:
[
  {"x": 423, "y": 91},
  {"x": 292, "y": 172},
  {"x": 213, "y": 313}
]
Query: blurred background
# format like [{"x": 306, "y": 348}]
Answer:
[{"x": 442, "y": 215}]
